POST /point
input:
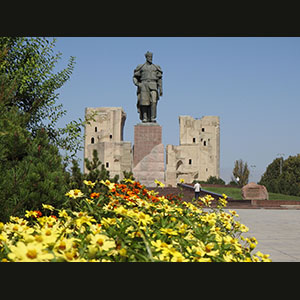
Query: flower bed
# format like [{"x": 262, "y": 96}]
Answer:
[{"x": 127, "y": 223}]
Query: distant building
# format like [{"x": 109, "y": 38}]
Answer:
[
  {"x": 196, "y": 158},
  {"x": 198, "y": 155},
  {"x": 105, "y": 134}
]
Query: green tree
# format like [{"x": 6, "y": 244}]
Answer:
[
  {"x": 76, "y": 178},
  {"x": 31, "y": 168},
  {"x": 96, "y": 170},
  {"x": 27, "y": 73},
  {"x": 215, "y": 180},
  {"x": 270, "y": 179},
  {"x": 240, "y": 171},
  {"x": 128, "y": 175},
  {"x": 285, "y": 182},
  {"x": 29, "y": 63}
]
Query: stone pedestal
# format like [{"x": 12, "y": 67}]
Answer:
[
  {"x": 253, "y": 191},
  {"x": 148, "y": 154}
]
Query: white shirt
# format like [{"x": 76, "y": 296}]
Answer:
[{"x": 197, "y": 187}]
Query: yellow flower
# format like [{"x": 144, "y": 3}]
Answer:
[
  {"x": 70, "y": 256},
  {"x": 108, "y": 184},
  {"x": 46, "y": 206},
  {"x": 198, "y": 250},
  {"x": 84, "y": 219},
  {"x": 182, "y": 228},
  {"x": 179, "y": 209},
  {"x": 159, "y": 183},
  {"x": 247, "y": 259},
  {"x": 48, "y": 236},
  {"x": 89, "y": 201},
  {"x": 233, "y": 212},
  {"x": 29, "y": 253},
  {"x": 106, "y": 222},
  {"x": 74, "y": 193},
  {"x": 126, "y": 180},
  {"x": 209, "y": 218},
  {"x": 264, "y": 257},
  {"x": 224, "y": 196},
  {"x": 241, "y": 227},
  {"x": 3, "y": 238},
  {"x": 181, "y": 180},
  {"x": 254, "y": 240},
  {"x": 202, "y": 259},
  {"x": 123, "y": 252},
  {"x": 234, "y": 242},
  {"x": 30, "y": 213},
  {"x": 65, "y": 245},
  {"x": 203, "y": 249},
  {"x": 169, "y": 231},
  {"x": 89, "y": 183},
  {"x": 121, "y": 210},
  {"x": 222, "y": 202},
  {"x": 178, "y": 257},
  {"x": 228, "y": 257},
  {"x": 159, "y": 245},
  {"x": 255, "y": 258},
  {"x": 50, "y": 221},
  {"x": 207, "y": 200},
  {"x": 167, "y": 251},
  {"x": 101, "y": 242},
  {"x": 143, "y": 219},
  {"x": 208, "y": 250},
  {"x": 63, "y": 214}
]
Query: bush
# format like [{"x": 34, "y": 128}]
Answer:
[
  {"x": 211, "y": 180},
  {"x": 215, "y": 180},
  {"x": 127, "y": 223}
]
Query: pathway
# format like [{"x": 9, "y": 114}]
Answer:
[{"x": 277, "y": 232}]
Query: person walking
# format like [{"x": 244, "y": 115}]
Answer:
[{"x": 197, "y": 189}]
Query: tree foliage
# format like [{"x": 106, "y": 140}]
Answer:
[
  {"x": 31, "y": 171},
  {"x": 288, "y": 182},
  {"x": 211, "y": 180},
  {"x": 31, "y": 168},
  {"x": 29, "y": 63},
  {"x": 29, "y": 82},
  {"x": 96, "y": 172},
  {"x": 215, "y": 180},
  {"x": 240, "y": 171}
]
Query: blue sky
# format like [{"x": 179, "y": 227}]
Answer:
[{"x": 251, "y": 83}]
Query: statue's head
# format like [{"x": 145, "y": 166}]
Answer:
[{"x": 149, "y": 56}]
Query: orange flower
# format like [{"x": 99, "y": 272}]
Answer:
[
  {"x": 95, "y": 195},
  {"x": 39, "y": 214}
]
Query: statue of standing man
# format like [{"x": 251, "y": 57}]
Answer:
[{"x": 148, "y": 79}]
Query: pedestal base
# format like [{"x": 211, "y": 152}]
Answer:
[{"x": 148, "y": 154}]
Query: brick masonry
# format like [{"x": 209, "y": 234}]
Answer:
[{"x": 146, "y": 137}]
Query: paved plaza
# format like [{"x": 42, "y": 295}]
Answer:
[{"x": 277, "y": 232}]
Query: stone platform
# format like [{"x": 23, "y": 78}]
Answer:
[{"x": 148, "y": 154}]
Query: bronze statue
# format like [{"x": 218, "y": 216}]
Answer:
[{"x": 148, "y": 79}]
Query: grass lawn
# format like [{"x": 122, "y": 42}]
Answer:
[{"x": 236, "y": 194}]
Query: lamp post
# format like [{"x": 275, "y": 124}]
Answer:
[{"x": 281, "y": 162}]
